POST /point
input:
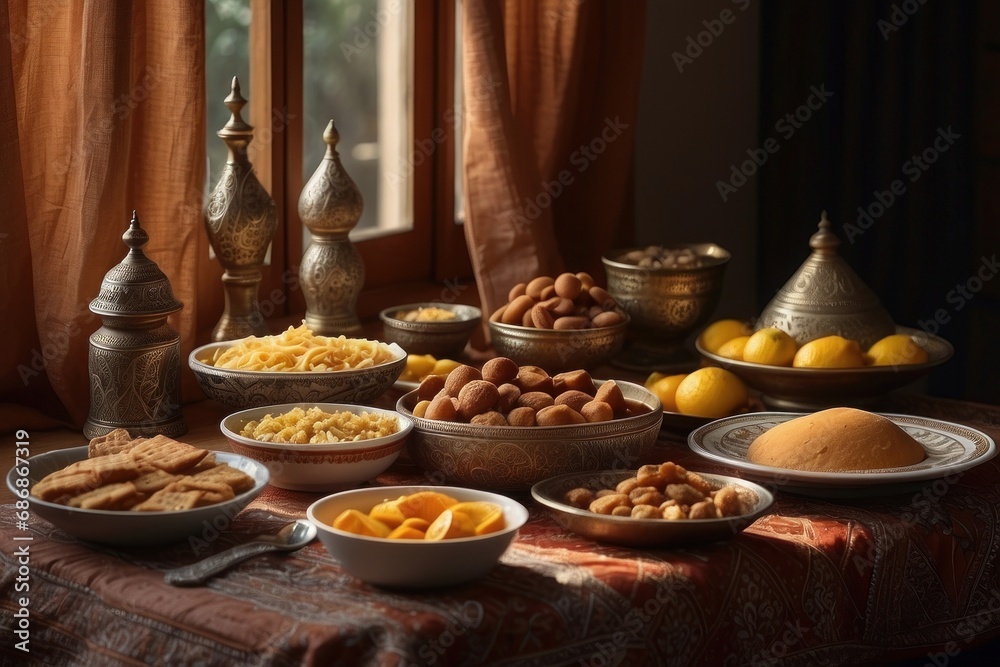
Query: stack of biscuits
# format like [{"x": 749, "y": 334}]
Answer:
[{"x": 142, "y": 475}]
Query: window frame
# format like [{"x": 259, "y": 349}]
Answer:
[{"x": 423, "y": 263}]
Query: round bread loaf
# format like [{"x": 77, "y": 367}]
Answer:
[{"x": 836, "y": 440}]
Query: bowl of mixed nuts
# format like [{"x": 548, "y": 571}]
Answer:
[{"x": 668, "y": 292}]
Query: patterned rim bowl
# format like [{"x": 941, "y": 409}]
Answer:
[
  {"x": 318, "y": 467},
  {"x": 798, "y": 389},
  {"x": 251, "y": 389},
  {"x": 558, "y": 350},
  {"x": 513, "y": 458},
  {"x": 438, "y": 338}
]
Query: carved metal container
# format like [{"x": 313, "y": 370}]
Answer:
[
  {"x": 558, "y": 350},
  {"x": 513, "y": 458},
  {"x": 241, "y": 219},
  {"x": 134, "y": 360},
  {"x": 332, "y": 272},
  {"x": 825, "y": 297},
  {"x": 665, "y": 305}
]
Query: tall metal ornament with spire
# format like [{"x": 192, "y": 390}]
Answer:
[
  {"x": 241, "y": 219},
  {"x": 332, "y": 272}
]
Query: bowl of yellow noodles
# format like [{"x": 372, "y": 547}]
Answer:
[{"x": 296, "y": 366}]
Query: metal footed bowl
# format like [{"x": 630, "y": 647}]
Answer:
[
  {"x": 558, "y": 350},
  {"x": 440, "y": 338},
  {"x": 788, "y": 388},
  {"x": 513, "y": 458},
  {"x": 665, "y": 305}
]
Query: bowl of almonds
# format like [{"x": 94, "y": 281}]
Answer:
[
  {"x": 559, "y": 323},
  {"x": 507, "y": 426}
]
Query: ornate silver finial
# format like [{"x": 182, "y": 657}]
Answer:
[
  {"x": 332, "y": 272},
  {"x": 241, "y": 219}
]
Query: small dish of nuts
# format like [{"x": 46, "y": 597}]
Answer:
[{"x": 656, "y": 505}]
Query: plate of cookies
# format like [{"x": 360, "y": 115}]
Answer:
[
  {"x": 127, "y": 491},
  {"x": 656, "y": 505}
]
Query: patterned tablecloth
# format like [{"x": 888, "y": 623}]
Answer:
[{"x": 812, "y": 582}]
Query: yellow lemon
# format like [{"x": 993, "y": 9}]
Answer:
[
  {"x": 770, "y": 346},
  {"x": 829, "y": 352},
  {"x": 417, "y": 367},
  {"x": 653, "y": 378},
  {"x": 711, "y": 392},
  {"x": 718, "y": 332},
  {"x": 444, "y": 366},
  {"x": 896, "y": 350},
  {"x": 733, "y": 348},
  {"x": 666, "y": 390}
]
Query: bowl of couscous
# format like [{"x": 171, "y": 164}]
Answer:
[{"x": 318, "y": 446}]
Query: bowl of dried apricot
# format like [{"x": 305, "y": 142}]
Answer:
[
  {"x": 507, "y": 426},
  {"x": 417, "y": 536},
  {"x": 657, "y": 504}
]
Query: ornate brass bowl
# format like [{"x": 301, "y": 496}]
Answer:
[
  {"x": 558, "y": 350},
  {"x": 513, "y": 458},
  {"x": 252, "y": 389},
  {"x": 665, "y": 305},
  {"x": 788, "y": 388},
  {"x": 439, "y": 338}
]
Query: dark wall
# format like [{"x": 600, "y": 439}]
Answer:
[{"x": 895, "y": 90}]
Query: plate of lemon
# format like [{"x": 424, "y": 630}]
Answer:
[{"x": 829, "y": 370}]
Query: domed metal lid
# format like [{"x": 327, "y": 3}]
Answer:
[
  {"x": 136, "y": 286},
  {"x": 825, "y": 297}
]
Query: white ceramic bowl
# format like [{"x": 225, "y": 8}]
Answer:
[
  {"x": 319, "y": 467},
  {"x": 413, "y": 563},
  {"x": 249, "y": 389},
  {"x": 123, "y": 528}
]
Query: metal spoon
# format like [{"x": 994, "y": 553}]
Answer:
[{"x": 292, "y": 536}]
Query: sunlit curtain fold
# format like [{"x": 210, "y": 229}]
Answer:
[
  {"x": 550, "y": 93},
  {"x": 101, "y": 112}
]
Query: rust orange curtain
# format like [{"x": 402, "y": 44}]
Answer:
[
  {"x": 550, "y": 92},
  {"x": 101, "y": 112}
]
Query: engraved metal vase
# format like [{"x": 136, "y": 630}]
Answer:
[
  {"x": 241, "y": 219},
  {"x": 332, "y": 272},
  {"x": 826, "y": 297},
  {"x": 134, "y": 361}
]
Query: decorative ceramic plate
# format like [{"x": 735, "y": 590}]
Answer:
[
  {"x": 124, "y": 528},
  {"x": 646, "y": 532},
  {"x": 951, "y": 448}
]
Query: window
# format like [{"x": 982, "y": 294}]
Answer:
[{"x": 384, "y": 71}]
